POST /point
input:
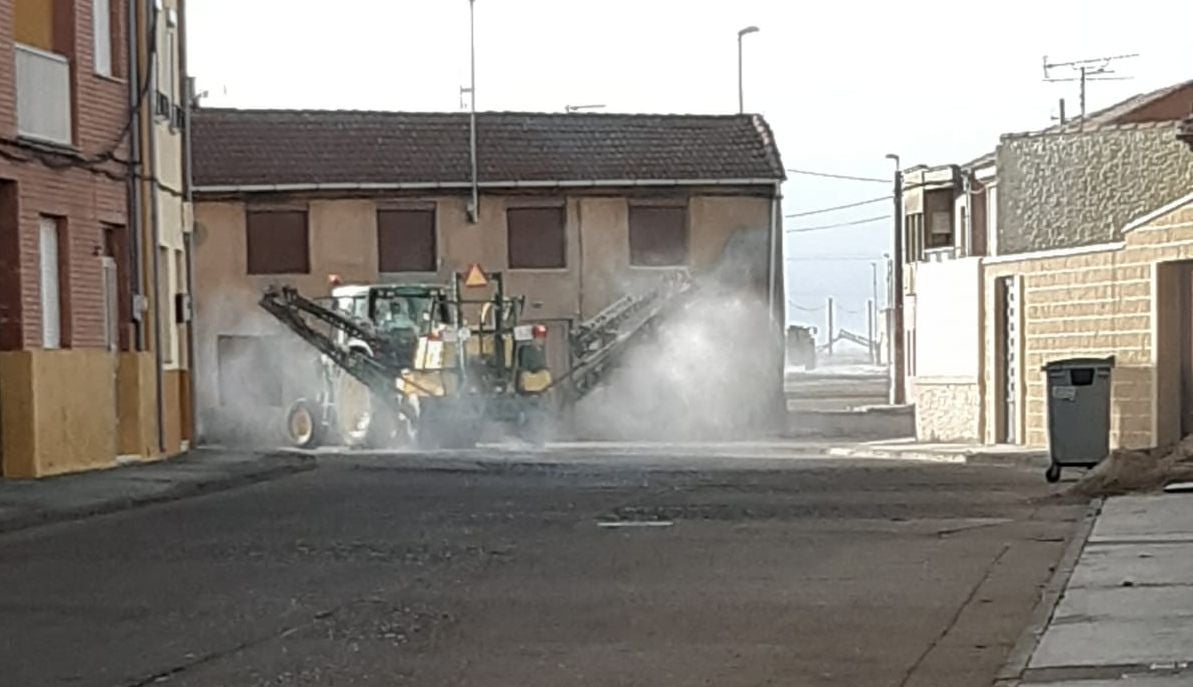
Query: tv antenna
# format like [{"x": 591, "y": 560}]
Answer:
[{"x": 1093, "y": 69}]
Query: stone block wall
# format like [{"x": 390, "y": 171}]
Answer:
[
  {"x": 1059, "y": 190},
  {"x": 948, "y": 412},
  {"x": 1096, "y": 304}
]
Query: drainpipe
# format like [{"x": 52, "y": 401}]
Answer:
[
  {"x": 772, "y": 251},
  {"x": 189, "y": 238},
  {"x": 155, "y": 218},
  {"x": 474, "y": 211},
  {"x": 134, "y": 180}
]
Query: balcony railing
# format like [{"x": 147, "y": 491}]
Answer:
[{"x": 43, "y": 95}]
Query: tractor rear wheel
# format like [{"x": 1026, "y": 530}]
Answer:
[{"x": 304, "y": 426}]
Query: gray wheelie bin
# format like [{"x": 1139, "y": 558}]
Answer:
[{"x": 1078, "y": 413}]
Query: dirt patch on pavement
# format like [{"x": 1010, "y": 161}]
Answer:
[{"x": 1130, "y": 470}]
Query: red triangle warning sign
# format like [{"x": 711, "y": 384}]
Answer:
[{"x": 475, "y": 276}]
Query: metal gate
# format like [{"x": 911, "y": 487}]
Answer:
[{"x": 1008, "y": 288}]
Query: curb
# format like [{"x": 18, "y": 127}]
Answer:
[
  {"x": 1032, "y": 461},
  {"x": 1012, "y": 670},
  {"x": 177, "y": 492}
]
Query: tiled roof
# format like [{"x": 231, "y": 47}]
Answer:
[
  {"x": 267, "y": 147},
  {"x": 1120, "y": 112}
]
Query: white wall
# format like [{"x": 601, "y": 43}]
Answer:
[{"x": 948, "y": 318}]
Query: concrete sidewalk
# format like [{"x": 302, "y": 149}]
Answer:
[
  {"x": 26, "y": 503},
  {"x": 972, "y": 454},
  {"x": 1126, "y": 614}
]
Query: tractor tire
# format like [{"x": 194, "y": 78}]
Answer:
[{"x": 304, "y": 426}]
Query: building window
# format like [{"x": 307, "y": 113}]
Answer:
[
  {"x": 406, "y": 241},
  {"x": 277, "y": 242},
  {"x": 54, "y": 306},
  {"x": 33, "y": 23},
  {"x": 658, "y": 236},
  {"x": 101, "y": 31},
  {"x": 178, "y": 320},
  {"x": 536, "y": 238},
  {"x": 940, "y": 232},
  {"x": 913, "y": 241}
]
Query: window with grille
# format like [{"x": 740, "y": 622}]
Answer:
[
  {"x": 658, "y": 236},
  {"x": 536, "y": 238},
  {"x": 406, "y": 241},
  {"x": 277, "y": 242}
]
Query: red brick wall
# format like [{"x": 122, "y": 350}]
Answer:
[{"x": 84, "y": 198}]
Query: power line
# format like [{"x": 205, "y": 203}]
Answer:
[
  {"x": 854, "y": 223},
  {"x": 840, "y": 207},
  {"x": 803, "y": 308},
  {"x": 839, "y": 176}
]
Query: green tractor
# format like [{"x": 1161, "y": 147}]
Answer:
[{"x": 416, "y": 364}]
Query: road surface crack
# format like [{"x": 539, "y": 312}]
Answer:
[{"x": 956, "y": 616}]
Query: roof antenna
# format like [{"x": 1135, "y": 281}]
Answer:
[{"x": 1093, "y": 69}]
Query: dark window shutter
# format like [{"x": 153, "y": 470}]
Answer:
[
  {"x": 536, "y": 238},
  {"x": 658, "y": 236},
  {"x": 406, "y": 241},
  {"x": 278, "y": 242}
]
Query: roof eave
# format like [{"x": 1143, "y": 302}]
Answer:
[{"x": 458, "y": 185}]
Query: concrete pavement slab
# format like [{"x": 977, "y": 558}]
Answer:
[
  {"x": 1137, "y": 564},
  {"x": 1126, "y": 617},
  {"x": 1156, "y": 518},
  {"x": 1125, "y": 681}
]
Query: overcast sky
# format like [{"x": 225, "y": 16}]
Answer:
[{"x": 842, "y": 83}]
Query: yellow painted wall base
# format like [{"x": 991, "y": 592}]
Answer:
[
  {"x": 57, "y": 411},
  {"x": 173, "y": 384},
  {"x": 135, "y": 405}
]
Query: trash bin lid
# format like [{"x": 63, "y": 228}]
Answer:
[{"x": 1070, "y": 363}]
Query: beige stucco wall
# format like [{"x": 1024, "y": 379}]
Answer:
[
  {"x": 58, "y": 410},
  {"x": 1101, "y": 303},
  {"x": 342, "y": 235}
]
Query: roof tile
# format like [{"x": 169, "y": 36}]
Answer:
[{"x": 253, "y": 147}]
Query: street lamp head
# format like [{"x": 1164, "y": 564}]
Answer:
[{"x": 748, "y": 29}]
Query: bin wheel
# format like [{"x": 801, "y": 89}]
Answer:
[{"x": 1052, "y": 474}]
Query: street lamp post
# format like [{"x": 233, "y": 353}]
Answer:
[
  {"x": 741, "y": 96},
  {"x": 897, "y": 362}
]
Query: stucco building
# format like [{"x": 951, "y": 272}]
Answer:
[
  {"x": 575, "y": 209},
  {"x": 948, "y": 214},
  {"x": 1088, "y": 235},
  {"x": 89, "y": 254}
]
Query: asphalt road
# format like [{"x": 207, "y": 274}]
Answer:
[{"x": 782, "y": 572}]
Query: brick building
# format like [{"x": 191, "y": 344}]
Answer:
[{"x": 78, "y": 294}]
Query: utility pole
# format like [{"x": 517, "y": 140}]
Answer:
[
  {"x": 897, "y": 396},
  {"x": 870, "y": 329},
  {"x": 1093, "y": 69},
  {"x": 874, "y": 316},
  {"x": 829, "y": 311}
]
